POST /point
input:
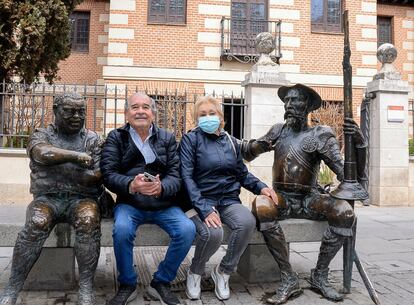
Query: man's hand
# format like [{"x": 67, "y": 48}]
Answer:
[
  {"x": 350, "y": 127},
  {"x": 269, "y": 193},
  {"x": 142, "y": 186},
  {"x": 84, "y": 160},
  {"x": 213, "y": 220}
]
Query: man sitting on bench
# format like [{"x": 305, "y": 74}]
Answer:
[{"x": 140, "y": 165}]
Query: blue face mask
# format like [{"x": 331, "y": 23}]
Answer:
[{"x": 209, "y": 123}]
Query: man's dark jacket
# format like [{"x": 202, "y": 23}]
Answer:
[{"x": 121, "y": 161}]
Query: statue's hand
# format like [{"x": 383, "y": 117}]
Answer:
[
  {"x": 84, "y": 160},
  {"x": 352, "y": 128}
]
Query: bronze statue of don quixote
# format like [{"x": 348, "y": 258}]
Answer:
[{"x": 298, "y": 151}]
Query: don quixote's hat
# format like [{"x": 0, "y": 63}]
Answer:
[{"x": 314, "y": 102}]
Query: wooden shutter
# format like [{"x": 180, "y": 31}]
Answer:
[
  {"x": 167, "y": 11},
  {"x": 157, "y": 11},
  {"x": 248, "y": 18},
  {"x": 326, "y": 15},
  {"x": 176, "y": 11}
]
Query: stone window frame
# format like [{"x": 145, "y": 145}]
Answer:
[
  {"x": 77, "y": 19},
  {"x": 381, "y": 39},
  {"x": 324, "y": 26},
  {"x": 167, "y": 17}
]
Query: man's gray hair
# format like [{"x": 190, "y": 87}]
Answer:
[{"x": 144, "y": 96}]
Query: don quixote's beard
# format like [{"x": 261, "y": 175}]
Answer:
[{"x": 294, "y": 121}]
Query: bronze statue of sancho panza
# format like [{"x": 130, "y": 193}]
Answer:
[{"x": 65, "y": 183}]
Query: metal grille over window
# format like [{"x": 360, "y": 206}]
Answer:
[
  {"x": 326, "y": 15},
  {"x": 167, "y": 11},
  {"x": 79, "y": 36},
  {"x": 238, "y": 33},
  {"x": 248, "y": 20},
  {"x": 384, "y": 30}
]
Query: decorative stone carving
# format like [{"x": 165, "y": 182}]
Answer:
[
  {"x": 387, "y": 54},
  {"x": 265, "y": 71},
  {"x": 265, "y": 45}
]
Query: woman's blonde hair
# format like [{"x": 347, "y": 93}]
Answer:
[{"x": 211, "y": 100}]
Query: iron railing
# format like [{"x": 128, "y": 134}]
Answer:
[
  {"x": 238, "y": 39},
  {"x": 23, "y": 108}
]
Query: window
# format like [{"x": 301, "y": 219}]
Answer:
[
  {"x": 167, "y": 11},
  {"x": 233, "y": 109},
  {"x": 79, "y": 36},
  {"x": 248, "y": 18},
  {"x": 384, "y": 30},
  {"x": 326, "y": 16}
]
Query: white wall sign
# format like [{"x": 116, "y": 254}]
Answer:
[{"x": 395, "y": 114}]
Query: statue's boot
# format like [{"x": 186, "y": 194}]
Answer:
[
  {"x": 289, "y": 286},
  {"x": 87, "y": 254},
  {"x": 331, "y": 243},
  {"x": 319, "y": 281},
  {"x": 8, "y": 299},
  {"x": 25, "y": 254}
]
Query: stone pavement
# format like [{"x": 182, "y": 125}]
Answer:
[{"x": 385, "y": 245}]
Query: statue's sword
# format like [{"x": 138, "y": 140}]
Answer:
[{"x": 350, "y": 189}]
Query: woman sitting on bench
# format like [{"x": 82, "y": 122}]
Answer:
[{"x": 213, "y": 172}]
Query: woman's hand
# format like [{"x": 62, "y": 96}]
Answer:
[
  {"x": 269, "y": 193},
  {"x": 213, "y": 220}
]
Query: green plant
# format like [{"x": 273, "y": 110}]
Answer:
[
  {"x": 411, "y": 147},
  {"x": 17, "y": 141},
  {"x": 34, "y": 37},
  {"x": 325, "y": 175}
]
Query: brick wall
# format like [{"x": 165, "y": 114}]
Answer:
[
  {"x": 196, "y": 45},
  {"x": 86, "y": 67},
  {"x": 134, "y": 52},
  {"x": 403, "y": 36}
]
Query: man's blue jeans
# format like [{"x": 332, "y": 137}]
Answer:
[{"x": 172, "y": 220}]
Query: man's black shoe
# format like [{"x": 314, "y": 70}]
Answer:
[
  {"x": 124, "y": 295},
  {"x": 162, "y": 292}
]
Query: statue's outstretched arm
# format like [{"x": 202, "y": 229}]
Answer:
[
  {"x": 51, "y": 155},
  {"x": 250, "y": 149}
]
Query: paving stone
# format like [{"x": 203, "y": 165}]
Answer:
[
  {"x": 232, "y": 301},
  {"x": 237, "y": 287}
]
